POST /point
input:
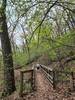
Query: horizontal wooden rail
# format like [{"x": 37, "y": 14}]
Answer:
[
  {"x": 51, "y": 75},
  {"x": 26, "y": 71},
  {"x": 45, "y": 67}
]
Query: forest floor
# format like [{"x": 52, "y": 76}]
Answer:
[{"x": 44, "y": 90}]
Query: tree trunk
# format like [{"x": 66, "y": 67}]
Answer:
[{"x": 9, "y": 82}]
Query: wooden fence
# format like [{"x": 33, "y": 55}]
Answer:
[
  {"x": 50, "y": 75},
  {"x": 30, "y": 79},
  {"x": 53, "y": 76}
]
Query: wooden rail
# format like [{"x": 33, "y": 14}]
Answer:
[{"x": 51, "y": 75}]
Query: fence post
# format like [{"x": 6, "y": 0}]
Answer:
[
  {"x": 72, "y": 81},
  {"x": 34, "y": 87},
  {"x": 54, "y": 81},
  {"x": 32, "y": 76},
  {"x": 21, "y": 83}
]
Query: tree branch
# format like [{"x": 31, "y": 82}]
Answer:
[{"x": 43, "y": 18}]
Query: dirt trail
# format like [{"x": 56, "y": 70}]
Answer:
[{"x": 44, "y": 90}]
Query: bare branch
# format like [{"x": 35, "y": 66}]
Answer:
[{"x": 43, "y": 18}]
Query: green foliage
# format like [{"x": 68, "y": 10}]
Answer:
[
  {"x": 61, "y": 46},
  {"x": 53, "y": 36},
  {"x": 20, "y": 58}
]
